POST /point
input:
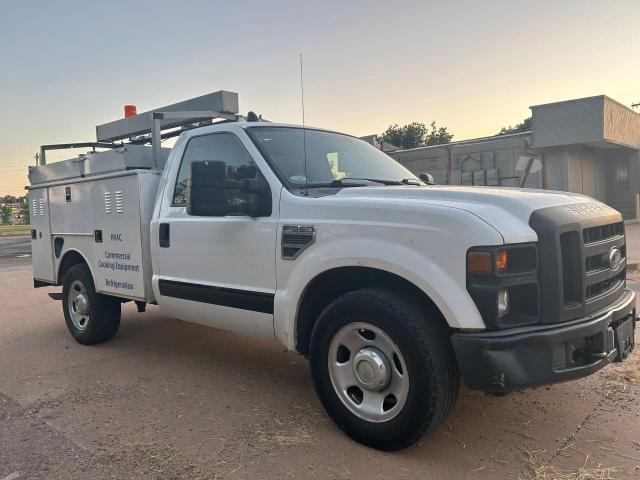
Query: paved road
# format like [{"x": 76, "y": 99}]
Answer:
[
  {"x": 15, "y": 245},
  {"x": 170, "y": 400}
]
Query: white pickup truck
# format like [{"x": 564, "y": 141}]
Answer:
[{"x": 394, "y": 288}]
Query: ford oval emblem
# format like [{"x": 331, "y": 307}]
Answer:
[{"x": 615, "y": 257}]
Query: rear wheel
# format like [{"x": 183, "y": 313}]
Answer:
[
  {"x": 91, "y": 317},
  {"x": 383, "y": 368}
]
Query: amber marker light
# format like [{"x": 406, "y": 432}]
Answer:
[{"x": 480, "y": 262}]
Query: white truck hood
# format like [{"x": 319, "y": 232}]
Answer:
[{"x": 506, "y": 209}]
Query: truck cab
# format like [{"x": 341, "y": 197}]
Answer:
[{"x": 394, "y": 289}]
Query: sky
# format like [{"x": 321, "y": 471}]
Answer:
[{"x": 472, "y": 66}]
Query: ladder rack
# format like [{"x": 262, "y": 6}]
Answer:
[{"x": 220, "y": 104}]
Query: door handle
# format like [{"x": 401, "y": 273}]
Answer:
[{"x": 164, "y": 235}]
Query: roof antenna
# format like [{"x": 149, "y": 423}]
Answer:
[{"x": 304, "y": 132}]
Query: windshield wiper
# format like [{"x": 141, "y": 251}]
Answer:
[
  {"x": 352, "y": 182},
  {"x": 345, "y": 182},
  {"x": 340, "y": 181},
  {"x": 332, "y": 184},
  {"x": 404, "y": 181}
]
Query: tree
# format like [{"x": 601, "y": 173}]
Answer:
[
  {"x": 5, "y": 215},
  {"x": 438, "y": 135},
  {"x": 416, "y": 134},
  {"x": 523, "y": 126},
  {"x": 408, "y": 136}
]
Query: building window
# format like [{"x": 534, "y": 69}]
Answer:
[{"x": 622, "y": 176}]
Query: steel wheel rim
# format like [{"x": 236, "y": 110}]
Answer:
[
  {"x": 78, "y": 305},
  {"x": 373, "y": 381}
]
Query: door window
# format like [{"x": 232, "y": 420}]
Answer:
[{"x": 222, "y": 148}]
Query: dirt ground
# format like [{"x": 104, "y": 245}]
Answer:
[{"x": 170, "y": 400}]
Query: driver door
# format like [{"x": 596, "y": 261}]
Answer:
[{"x": 217, "y": 270}]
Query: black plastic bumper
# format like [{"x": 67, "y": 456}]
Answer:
[{"x": 507, "y": 360}]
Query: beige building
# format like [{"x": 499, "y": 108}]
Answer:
[{"x": 588, "y": 145}]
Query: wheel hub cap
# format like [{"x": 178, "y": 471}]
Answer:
[
  {"x": 371, "y": 369},
  {"x": 78, "y": 305},
  {"x": 82, "y": 305},
  {"x": 368, "y": 372}
]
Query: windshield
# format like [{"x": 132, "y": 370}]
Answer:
[{"x": 331, "y": 158}]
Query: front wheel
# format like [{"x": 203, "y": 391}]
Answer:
[
  {"x": 383, "y": 368},
  {"x": 91, "y": 317}
]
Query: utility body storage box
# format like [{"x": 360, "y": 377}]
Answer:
[
  {"x": 99, "y": 204},
  {"x": 104, "y": 217}
]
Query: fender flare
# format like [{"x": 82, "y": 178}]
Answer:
[{"x": 62, "y": 259}]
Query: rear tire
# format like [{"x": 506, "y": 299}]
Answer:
[
  {"x": 421, "y": 356},
  {"x": 91, "y": 317}
]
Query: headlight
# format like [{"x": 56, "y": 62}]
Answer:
[{"x": 503, "y": 283}]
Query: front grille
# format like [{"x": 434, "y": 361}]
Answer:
[
  {"x": 601, "y": 280},
  {"x": 577, "y": 272},
  {"x": 601, "y": 260},
  {"x": 603, "y": 286},
  {"x": 603, "y": 232}
]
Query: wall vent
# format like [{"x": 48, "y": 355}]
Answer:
[
  {"x": 35, "y": 207},
  {"x": 41, "y": 206}
]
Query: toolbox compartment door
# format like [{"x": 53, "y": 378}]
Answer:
[
  {"x": 41, "y": 242},
  {"x": 118, "y": 266}
]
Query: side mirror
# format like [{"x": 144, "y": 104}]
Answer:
[
  {"x": 211, "y": 194},
  {"x": 427, "y": 178}
]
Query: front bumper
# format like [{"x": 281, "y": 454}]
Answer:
[{"x": 507, "y": 360}]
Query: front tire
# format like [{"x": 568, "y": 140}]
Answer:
[
  {"x": 91, "y": 317},
  {"x": 383, "y": 368}
]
